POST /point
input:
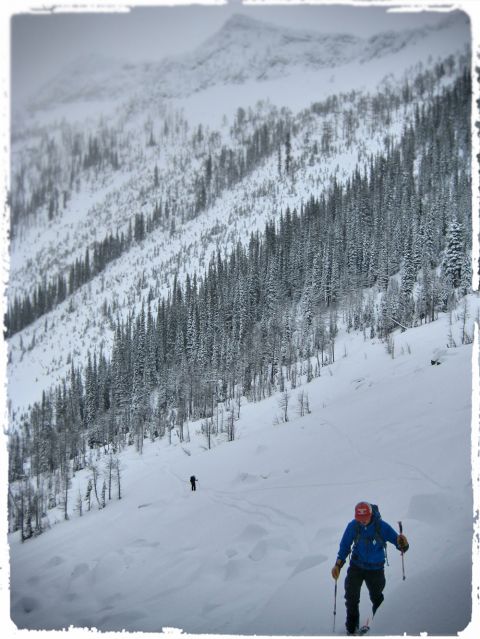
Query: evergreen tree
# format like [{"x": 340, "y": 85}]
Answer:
[{"x": 454, "y": 254}]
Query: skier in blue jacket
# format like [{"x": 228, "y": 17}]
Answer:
[{"x": 368, "y": 534}]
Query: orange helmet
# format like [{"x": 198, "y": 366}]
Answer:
[{"x": 363, "y": 512}]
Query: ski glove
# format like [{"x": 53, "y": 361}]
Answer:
[
  {"x": 336, "y": 569},
  {"x": 402, "y": 543}
]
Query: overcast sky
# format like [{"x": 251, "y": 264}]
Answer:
[{"x": 42, "y": 44}]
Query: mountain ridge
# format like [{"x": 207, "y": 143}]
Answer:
[
  {"x": 106, "y": 195},
  {"x": 244, "y": 55},
  {"x": 189, "y": 275}
]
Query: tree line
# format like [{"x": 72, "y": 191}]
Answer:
[
  {"x": 46, "y": 296},
  {"x": 211, "y": 180},
  {"x": 221, "y": 167},
  {"x": 267, "y": 312}
]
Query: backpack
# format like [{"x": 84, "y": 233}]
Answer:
[{"x": 377, "y": 518}]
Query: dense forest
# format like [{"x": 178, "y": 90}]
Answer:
[
  {"x": 204, "y": 167},
  {"x": 389, "y": 248}
]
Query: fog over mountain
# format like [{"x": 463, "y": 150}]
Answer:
[
  {"x": 250, "y": 261},
  {"x": 243, "y": 49}
]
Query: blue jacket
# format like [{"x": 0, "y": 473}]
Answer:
[{"x": 369, "y": 550}]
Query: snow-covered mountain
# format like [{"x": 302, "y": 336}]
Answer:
[
  {"x": 87, "y": 204},
  {"x": 243, "y": 50},
  {"x": 198, "y": 244},
  {"x": 251, "y": 551}
]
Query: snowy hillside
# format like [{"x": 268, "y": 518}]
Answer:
[
  {"x": 154, "y": 151},
  {"x": 246, "y": 49},
  {"x": 251, "y": 263},
  {"x": 251, "y": 551}
]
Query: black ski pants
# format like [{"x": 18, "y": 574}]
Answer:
[{"x": 375, "y": 580}]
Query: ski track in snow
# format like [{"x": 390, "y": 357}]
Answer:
[
  {"x": 250, "y": 551},
  {"x": 363, "y": 454}
]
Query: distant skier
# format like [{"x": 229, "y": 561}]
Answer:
[
  {"x": 368, "y": 534},
  {"x": 193, "y": 481}
]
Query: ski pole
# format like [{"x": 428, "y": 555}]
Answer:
[
  {"x": 403, "y": 560},
  {"x": 335, "y": 606}
]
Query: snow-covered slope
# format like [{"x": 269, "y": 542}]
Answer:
[
  {"x": 105, "y": 201},
  {"x": 250, "y": 552},
  {"x": 76, "y": 324},
  {"x": 244, "y": 49}
]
